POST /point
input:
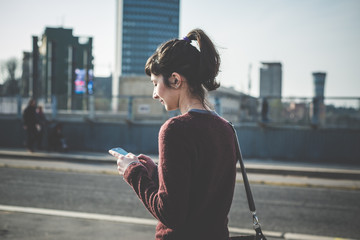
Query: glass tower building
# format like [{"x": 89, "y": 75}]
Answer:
[{"x": 145, "y": 25}]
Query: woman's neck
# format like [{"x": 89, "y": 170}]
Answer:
[
  {"x": 191, "y": 103},
  {"x": 187, "y": 101}
]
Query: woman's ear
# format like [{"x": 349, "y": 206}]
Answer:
[{"x": 176, "y": 80}]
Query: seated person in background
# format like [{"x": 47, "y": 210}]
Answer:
[{"x": 56, "y": 140}]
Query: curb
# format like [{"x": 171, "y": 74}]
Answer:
[
  {"x": 68, "y": 157},
  {"x": 307, "y": 172},
  {"x": 317, "y": 172}
]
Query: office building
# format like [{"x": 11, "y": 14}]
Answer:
[
  {"x": 62, "y": 67},
  {"x": 141, "y": 26},
  {"x": 270, "y": 80},
  {"x": 26, "y": 78},
  {"x": 145, "y": 24}
]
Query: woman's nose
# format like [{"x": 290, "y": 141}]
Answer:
[{"x": 155, "y": 96}]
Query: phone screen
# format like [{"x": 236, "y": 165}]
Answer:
[{"x": 119, "y": 150}]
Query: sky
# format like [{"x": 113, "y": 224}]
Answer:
[{"x": 306, "y": 36}]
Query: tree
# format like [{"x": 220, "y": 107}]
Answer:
[
  {"x": 11, "y": 84},
  {"x": 11, "y": 66},
  {"x": 3, "y": 74}
]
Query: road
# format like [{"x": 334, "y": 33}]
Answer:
[{"x": 282, "y": 209}]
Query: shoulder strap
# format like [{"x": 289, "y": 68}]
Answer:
[
  {"x": 247, "y": 186},
  {"x": 243, "y": 171}
]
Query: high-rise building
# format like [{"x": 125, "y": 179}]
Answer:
[
  {"x": 26, "y": 78},
  {"x": 270, "y": 79},
  {"x": 141, "y": 26},
  {"x": 319, "y": 84},
  {"x": 146, "y": 24},
  {"x": 62, "y": 67},
  {"x": 318, "y": 107}
]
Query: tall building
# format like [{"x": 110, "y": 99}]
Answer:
[
  {"x": 270, "y": 79},
  {"x": 141, "y": 26},
  {"x": 319, "y": 84},
  {"x": 318, "y": 107},
  {"x": 145, "y": 25},
  {"x": 62, "y": 67},
  {"x": 26, "y": 78}
]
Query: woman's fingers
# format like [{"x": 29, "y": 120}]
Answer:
[
  {"x": 124, "y": 161},
  {"x": 115, "y": 154},
  {"x": 131, "y": 156}
]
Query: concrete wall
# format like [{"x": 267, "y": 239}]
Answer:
[
  {"x": 322, "y": 145},
  {"x": 88, "y": 136}
]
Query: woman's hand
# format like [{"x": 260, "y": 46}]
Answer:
[
  {"x": 124, "y": 161},
  {"x": 149, "y": 164}
]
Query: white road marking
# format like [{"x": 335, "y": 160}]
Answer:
[
  {"x": 296, "y": 236},
  {"x": 152, "y": 222},
  {"x": 82, "y": 215}
]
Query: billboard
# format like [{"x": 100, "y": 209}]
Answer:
[{"x": 80, "y": 81}]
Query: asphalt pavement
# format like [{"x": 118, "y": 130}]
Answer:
[
  {"x": 260, "y": 171},
  {"x": 265, "y": 171}
]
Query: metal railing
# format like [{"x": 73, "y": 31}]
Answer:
[{"x": 335, "y": 112}]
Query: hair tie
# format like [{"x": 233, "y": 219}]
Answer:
[{"x": 187, "y": 39}]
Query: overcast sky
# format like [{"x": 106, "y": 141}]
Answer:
[{"x": 304, "y": 35}]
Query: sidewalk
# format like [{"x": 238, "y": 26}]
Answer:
[{"x": 259, "y": 171}]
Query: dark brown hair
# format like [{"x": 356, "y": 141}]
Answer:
[{"x": 199, "y": 67}]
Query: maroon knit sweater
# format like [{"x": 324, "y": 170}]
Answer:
[{"x": 192, "y": 190}]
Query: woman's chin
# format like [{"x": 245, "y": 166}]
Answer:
[{"x": 167, "y": 108}]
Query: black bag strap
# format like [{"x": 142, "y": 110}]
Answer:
[
  {"x": 243, "y": 172},
  {"x": 247, "y": 187}
]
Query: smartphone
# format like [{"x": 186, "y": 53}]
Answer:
[{"x": 119, "y": 150}]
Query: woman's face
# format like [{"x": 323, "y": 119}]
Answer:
[{"x": 167, "y": 96}]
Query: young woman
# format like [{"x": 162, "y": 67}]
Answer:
[{"x": 191, "y": 190}]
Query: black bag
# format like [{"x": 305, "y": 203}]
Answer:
[{"x": 258, "y": 233}]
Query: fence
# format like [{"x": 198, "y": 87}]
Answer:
[{"x": 334, "y": 112}]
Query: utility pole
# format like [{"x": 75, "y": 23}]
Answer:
[{"x": 70, "y": 76}]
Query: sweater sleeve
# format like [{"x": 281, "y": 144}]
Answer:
[{"x": 169, "y": 201}]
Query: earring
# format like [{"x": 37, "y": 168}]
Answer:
[{"x": 176, "y": 83}]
